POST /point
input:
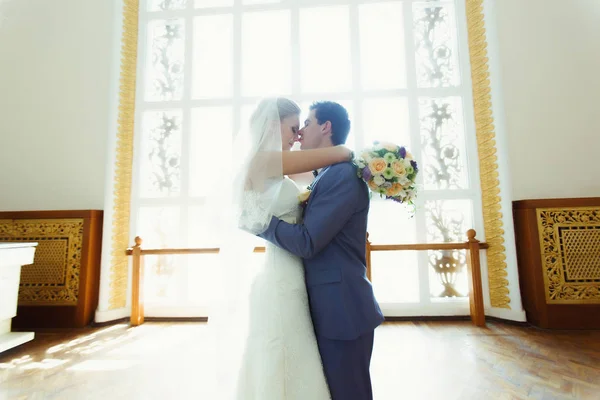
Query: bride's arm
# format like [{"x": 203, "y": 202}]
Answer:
[
  {"x": 296, "y": 162},
  {"x": 302, "y": 180}
]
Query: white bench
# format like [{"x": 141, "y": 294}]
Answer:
[{"x": 12, "y": 257}]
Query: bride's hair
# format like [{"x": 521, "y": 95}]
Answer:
[{"x": 286, "y": 108}]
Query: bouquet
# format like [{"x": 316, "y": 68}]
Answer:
[{"x": 389, "y": 170}]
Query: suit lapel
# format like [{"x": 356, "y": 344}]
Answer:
[
  {"x": 311, "y": 188},
  {"x": 312, "y": 185}
]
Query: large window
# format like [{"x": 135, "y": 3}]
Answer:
[{"x": 399, "y": 67}]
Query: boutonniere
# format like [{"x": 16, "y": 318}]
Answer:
[{"x": 303, "y": 197}]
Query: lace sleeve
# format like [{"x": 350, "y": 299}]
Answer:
[{"x": 255, "y": 211}]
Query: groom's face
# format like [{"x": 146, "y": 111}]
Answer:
[{"x": 313, "y": 133}]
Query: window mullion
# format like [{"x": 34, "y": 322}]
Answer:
[
  {"x": 357, "y": 120},
  {"x": 182, "y": 263},
  {"x": 295, "y": 45},
  {"x": 415, "y": 147},
  {"x": 237, "y": 66}
]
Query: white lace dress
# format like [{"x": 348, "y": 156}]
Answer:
[{"x": 281, "y": 359}]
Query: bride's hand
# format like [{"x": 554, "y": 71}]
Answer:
[{"x": 344, "y": 153}]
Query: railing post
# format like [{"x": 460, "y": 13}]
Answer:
[
  {"x": 475, "y": 288},
  {"x": 137, "y": 283},
  {"x": 368, "y": 256}
]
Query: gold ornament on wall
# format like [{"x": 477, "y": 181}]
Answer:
[
  {"x": 488, "y": 161},
  {"x": 53, "y": 278},
  {"x": 570, "y": 252},
  {"x": 124, "y": 157}
]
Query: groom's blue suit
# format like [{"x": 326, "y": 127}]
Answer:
[{"x": 332, "y": 240}]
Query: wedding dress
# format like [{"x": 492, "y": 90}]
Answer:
[
  {"x": 280, "y": 358},
  {"x": 264, "y": 341}
]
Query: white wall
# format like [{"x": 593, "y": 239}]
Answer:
[
  {"x": 54, "y": 103},
  {"x": 59, "y": 76},
  {"x": 550, "y": 71}
]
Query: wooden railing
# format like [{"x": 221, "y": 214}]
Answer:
[{"x": 472, "y": 246}]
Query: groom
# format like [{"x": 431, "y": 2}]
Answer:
[{"x": 332, "y": 242}]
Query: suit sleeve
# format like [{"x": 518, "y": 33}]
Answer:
[{"x": 339, "y": 196}]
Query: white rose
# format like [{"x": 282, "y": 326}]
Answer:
[{"x": 379, "y": 180}]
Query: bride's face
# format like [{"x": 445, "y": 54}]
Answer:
[{"x": 289, "y": 131}]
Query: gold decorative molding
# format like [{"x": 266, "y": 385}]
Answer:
[
  {"x": 53, "y": 278},
  {"x": 486, "y": 146},
  {"x": 570, "y": 252},
  {"x": 124, "y": 156}
]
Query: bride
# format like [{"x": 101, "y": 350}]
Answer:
[{"x": 266, "y": 347}]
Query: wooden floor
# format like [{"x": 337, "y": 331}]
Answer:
[{"x": 411, "y": 360}]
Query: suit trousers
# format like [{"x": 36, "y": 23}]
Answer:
[{"x": 346, "y": 364}]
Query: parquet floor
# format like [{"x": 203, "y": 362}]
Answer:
[{"x": 411, "y": 360}]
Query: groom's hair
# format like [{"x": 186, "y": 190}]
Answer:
[{"x": 337, "y": 115}]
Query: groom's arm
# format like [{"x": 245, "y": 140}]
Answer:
[{"x": 339, "y": 195}]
